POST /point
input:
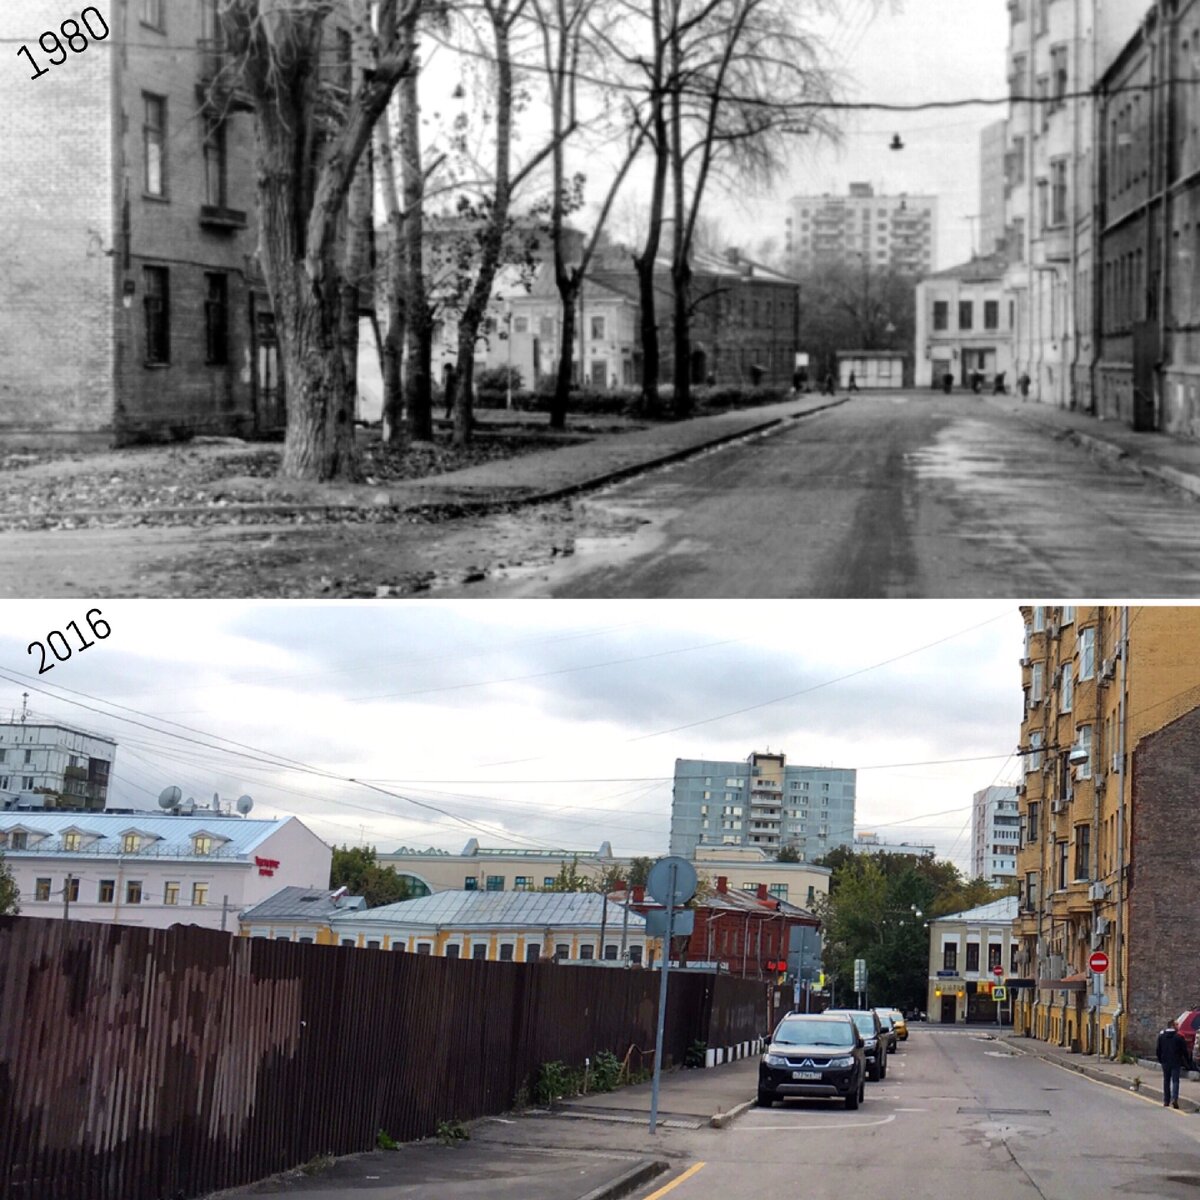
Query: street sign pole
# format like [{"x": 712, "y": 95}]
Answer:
[{"x": 662, "y": 1002}]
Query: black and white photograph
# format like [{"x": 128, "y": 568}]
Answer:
[{"x": 600, "y": 298}]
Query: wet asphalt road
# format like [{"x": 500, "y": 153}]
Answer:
[
  {"x": 890, "y": 496},
  {"x": 908, "y": 496}
]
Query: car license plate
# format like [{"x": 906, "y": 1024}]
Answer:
[{"x": 806, "y": 1074}]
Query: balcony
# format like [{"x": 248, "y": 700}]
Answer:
[
  {"x": 1056, "y": 244},
  {"x": 219, "y": 88},
  {"x": 217, "y": 216}
]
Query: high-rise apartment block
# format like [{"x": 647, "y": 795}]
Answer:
[
  {"x": 762, "y": 802},
  {"x": 863, "y": 230},
  {"x": 995, "y": 834},
  {"x": 1110, "y": 744},
  {"x": 51, "y": 766}
]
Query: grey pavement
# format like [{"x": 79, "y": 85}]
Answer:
[
  {"x": 1144, "y": 1075},
  {"x": 514, "y": 1157}
]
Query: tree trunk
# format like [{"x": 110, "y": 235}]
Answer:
[
  {"x": 418, "y": 384},
  {"x": 681, "y": 278},
  {"x": 568, "y": 290},
  {"x": 394, "y": 289}
]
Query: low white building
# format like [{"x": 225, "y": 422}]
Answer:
[
  {"x": 501, "y": 926},
  {"x": 53, "y": 766},
  {"x": 156, "y": 870},
  {"x": 965, "y": 948},
  {"x": 964, "y": 325}
]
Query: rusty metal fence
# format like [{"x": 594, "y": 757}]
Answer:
[{"x": 141, "y": 1064}]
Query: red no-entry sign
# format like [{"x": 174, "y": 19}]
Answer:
[
  {"x": 997, "y": 970},
  {"x": 1098, "y": 962}
]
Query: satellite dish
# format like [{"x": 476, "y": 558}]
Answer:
[
  {"x": 244, "y": 804},
  {"x": 169, "y": 797},
  {"x": 188, "y": 806},
  {"x": 216, "y": 801}
]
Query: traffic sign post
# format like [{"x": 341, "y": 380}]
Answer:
[
  {"x": 671, "y": 881},
  {"x": 997, "y": 970},
  {"x": 1098, "y": 962},
  {"x": 1098, "y": 965}
]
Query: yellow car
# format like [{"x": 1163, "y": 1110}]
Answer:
[{"x": 899, "y": 1022}]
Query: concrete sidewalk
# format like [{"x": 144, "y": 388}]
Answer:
[
  {"x": 1163, "y": 457},
  {"x": 1143, "y": 1076}
]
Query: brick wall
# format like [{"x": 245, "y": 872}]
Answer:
[
  {"x": 57, "y": 232},
  {"x": 1164, "y": 973}
]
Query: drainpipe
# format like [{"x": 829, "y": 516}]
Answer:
[
  {"x": 1099, "y": 216},
  {"x": 1073, "y": 275},
  {"x": 1094, "y": 872},
  {"x": 1163, "y": 99},
  {"x": 1119, "y": 940}
]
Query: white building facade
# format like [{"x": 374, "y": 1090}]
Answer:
[
  {"x": 45, "y": 765},
  {"x": 995, "y": 834},
  {"x": 147, "y": 869},
  {"x": 965, "y": 949}
]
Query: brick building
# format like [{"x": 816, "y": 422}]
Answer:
[
  {"x": 130, "y": 306},
  {"x": 1106, "y": 804}
]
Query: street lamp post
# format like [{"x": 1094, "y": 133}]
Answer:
[{"x": 508, "y": 315}]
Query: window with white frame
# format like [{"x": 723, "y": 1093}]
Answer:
[
  {"x": 1037, "y": 683},
  {"x": 1068, "y": 689},
  {"x": 1033, "y": 760},
  {"x": 1083, "y": 745},
  {"x": 1087, "y": 653}
]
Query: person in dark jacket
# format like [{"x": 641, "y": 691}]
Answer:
[{"x": 1172, "y": 1053}]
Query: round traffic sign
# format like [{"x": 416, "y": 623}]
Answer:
[
  {"x": 997, "y": 970},
  {"x": 1098, "y": 962},
  {"x": 672, "y": 881}
]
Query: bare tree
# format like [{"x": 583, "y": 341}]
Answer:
[{"x": 308, "y": 152}]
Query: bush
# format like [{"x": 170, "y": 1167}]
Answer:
[
  {"x": 554, "y": 1081},
  {"x": 495, "y": 379},
  {"x": 606, "y": 1071}
]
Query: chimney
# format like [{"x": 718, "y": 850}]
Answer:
[
  {"x": 722, "y": 884},
  {"x": 762, "y": 891}
]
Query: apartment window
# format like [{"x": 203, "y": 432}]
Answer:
[
  {"x": 1058, "y": 191},
  {"x": 610, "y": 952},
  {"x": 1039, "y": 618},
  {"x": 215, "y": 174},
  {"x": 453, "y": 950},
  {"x": 471, "y": 883},
  {"x": 587, "y": 951},
  {"x": 506, "y": 951},
  {"x": 1034, "y": 758},
  {"x": 202, "y": 844},
  {"x": 133, "y": 891},
  {"x": 1068, "y": 689},
  {"x": 941, "y": 314},
  {"x": 562, "y": 951},
  {"x": 1083, "y": 743},
  {"x": 495, "y": 883},
  {"x": 199, "y": 894},
  {"x": 1083, "y": 852},
  {"x": 995, "y": 955},
  {"x": 597, "y": 324},
  {"x": 28, "y": 757},
  {"x": 348, "y": 942},
  {"x": 1031, "y": 889},
  {"x": 1058, "y": 77},
  {"x": 972, "y": 956},
  {"x": 523, "y": 883},
  {"x": 26, "y": 786},
  {"x": 1043, "y": 16},
  {"x": 216, "y": 320},
  {"x": 520, "y": 324},
  {"x": 107, "y": 891},
  {"x": 478, "y": 951},
  {"x": 1087, "y": 653},
  {"x": 635, "y": 955},
  {"x": 157, "y": 301},
  {"x": 41, "y": 889},
  {"x": 950, "y": 957},
  {"x": 966, "y": 314},
  {"x": 778, "y": 890},
  {"x": 171, "y": 893},
  {"x": 152, "y": 13},
  {"x": 1037, "y": 683},
  {"x": 548, "y": 880},
  {"x": 991, "y": 314},
  {"x": 130, "y": 843},
  {"x": 72, "y": 841},
  {"x": 154, "y": 142},
  {"x": 427, "y": 948},
  {"x": 1018, "y": 161},
  {"x": 533, "y": 952}
]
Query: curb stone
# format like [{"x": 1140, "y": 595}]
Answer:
[
  {"x": 623, "y": 1184},
  {"x": 720, "y": 1120}
]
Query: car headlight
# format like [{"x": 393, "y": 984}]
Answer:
[
  {"x": 845, "y": 1061},
  {"x": 869, "y": 1043},
  {"x": 775, "y": 1060}
]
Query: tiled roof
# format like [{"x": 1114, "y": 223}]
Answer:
[
  {"x": 995, "y": 910},
  {"x": 172, "y": 835},
  {"x": 489, "y": 909},
  {"x": 303, "y": 903}
]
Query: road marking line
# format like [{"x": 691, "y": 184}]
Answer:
[
  {"x": 912, "y": 1110},
  {"x": 662, "y": 1191},
  {"x": 821, "y": 1125}
]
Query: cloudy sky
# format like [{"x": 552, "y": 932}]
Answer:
[{"x": 542, "y": 723}]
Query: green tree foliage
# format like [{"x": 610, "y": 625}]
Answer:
[
  {"x": 357, "y": 869},
  {"x": 639, "y": 871},
  {"x": 10, "y": 894},
  {"x": 877, "y": 909},
  {"x": 570, "y": 879},
  {"x": 788, "y": 854}
]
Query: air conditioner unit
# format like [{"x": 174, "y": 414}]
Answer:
[
  {"x": 1102, "y": 925},
  {"x": 1058, "y": 806},
  {"x": 1108, "y": 668},
  {"x": 1052, "y": 629},
  {"x": 1116, "y": 764},
  {"x": 1098, "y": 891},
  {"x": 1020, "y": 789},
  {"x": 1026, "y": 661}
]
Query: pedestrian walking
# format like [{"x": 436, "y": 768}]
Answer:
[
  {"x": 1023, "y": 385},
  {"x": 947, "y": 382},
  {"x": 852, "y": 386},
  {"x": 1172, "y": 1053},
  {"x": 828, "y": 388},
  {"x": 449, "y": 387}
]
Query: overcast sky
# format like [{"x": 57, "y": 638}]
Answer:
[{"x": 540, "y": 723}]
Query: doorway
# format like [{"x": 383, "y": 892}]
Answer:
[
  {"x": 949, "y": 1009},
  {"x": 269, "y": 408}
]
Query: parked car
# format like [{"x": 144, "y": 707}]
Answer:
[
  {"x": 899, "y": 1021},
  {"x": 875, "y": 1041},
  {"x": 1188, "y": 1023},
  {"x": 889, "y": 1030},
  {"x": 814, "y": 1054}
]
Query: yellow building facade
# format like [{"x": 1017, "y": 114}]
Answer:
[{"x": 1099, "y": 681}]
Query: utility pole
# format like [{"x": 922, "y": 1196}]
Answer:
[{"x": 67, "y": 898}]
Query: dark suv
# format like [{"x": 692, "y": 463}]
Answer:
[
  {"x": 874, "y": 1036},
  {"x": 813, "y": 1055}
]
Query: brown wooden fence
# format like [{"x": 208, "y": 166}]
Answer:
[{"x": 140, "y": 1064}]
